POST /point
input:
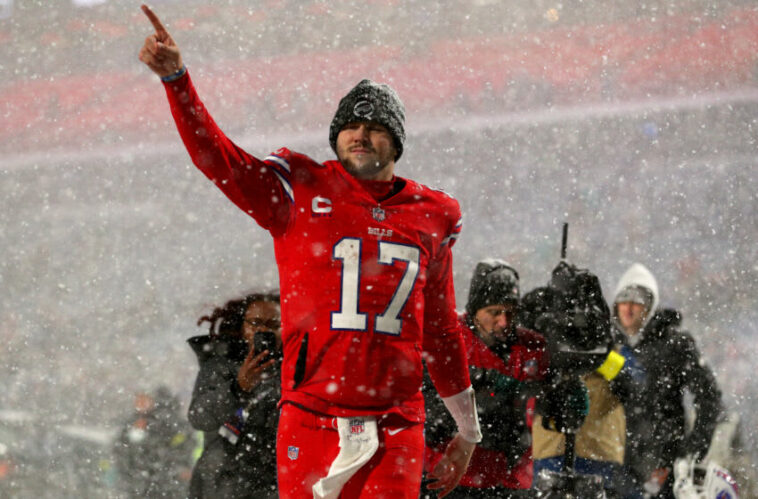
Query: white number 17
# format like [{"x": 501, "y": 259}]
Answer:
[{"x": 349, "y": 251}]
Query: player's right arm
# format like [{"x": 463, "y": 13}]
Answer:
[{"x": 261, "y": 189}]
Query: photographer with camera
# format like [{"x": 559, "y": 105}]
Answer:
[
  {"x": 234, "y": 401},
  {"x": 506, "y": 363},
  {"x": 579, "y": 432}
]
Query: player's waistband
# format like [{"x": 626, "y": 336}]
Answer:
[{"x": 315, "y": 419}]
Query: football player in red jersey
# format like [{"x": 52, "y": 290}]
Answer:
[{"x": 365, "y": 270}]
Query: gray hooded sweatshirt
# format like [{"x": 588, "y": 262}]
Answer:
[{"x": 636, "y": 276}]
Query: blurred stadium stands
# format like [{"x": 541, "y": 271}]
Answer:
[{"x": 74, "y": 81}]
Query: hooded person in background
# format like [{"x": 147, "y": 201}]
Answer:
[
  {"x": 506, "y": 363},
  {"x": 656, "y": 424}
]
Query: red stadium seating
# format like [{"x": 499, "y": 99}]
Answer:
[{"x": 566, "y": 65}]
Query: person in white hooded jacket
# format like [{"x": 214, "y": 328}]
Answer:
[{"x": 656, "y": 429}]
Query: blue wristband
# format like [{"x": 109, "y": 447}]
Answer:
[{"x": 175, "y": 76}]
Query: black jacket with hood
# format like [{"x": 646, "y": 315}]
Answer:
[
  {"x": 656, "y": 427},
  {"x": 239, "y": 455}
]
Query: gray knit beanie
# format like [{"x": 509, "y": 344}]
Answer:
[{"x": 375, "y": 102}]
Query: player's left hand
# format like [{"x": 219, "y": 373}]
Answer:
[{"x": 451, "y": 468}]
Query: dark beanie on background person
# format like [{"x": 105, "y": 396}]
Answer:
[
  {"x": 494, "y": 283},
  {"x": 374, "y": 102}
]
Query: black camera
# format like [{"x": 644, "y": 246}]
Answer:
[{"x": 575, "y": 321}]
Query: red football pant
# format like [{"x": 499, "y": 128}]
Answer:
[{"x": 307, "y": 443}]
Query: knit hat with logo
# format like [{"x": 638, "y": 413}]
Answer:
[{"x": 373, "y": 102}]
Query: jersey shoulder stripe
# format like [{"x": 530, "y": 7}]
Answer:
[
  {"x": 280, "y": 162},
  {"x": 449, "y": 209},
  {"x": 453, "y": 236},
  {"x": 458, "y": 225},
  {"x": 284, "y": 162},
  {"x": 281, "y": 168}
]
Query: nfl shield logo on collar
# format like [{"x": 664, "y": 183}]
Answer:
[
  {"x": 378, "y": 214},
  {"x": 293, "y": 452}
]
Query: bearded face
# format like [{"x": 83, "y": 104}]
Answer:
[{"x": 366, "y": 150}]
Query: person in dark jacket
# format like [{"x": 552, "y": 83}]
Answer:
[
  {"x": 234, "y": 401},
  {"x": 656, "y": 427},
  {"x": 153, "y": 453},
  {"x": 505, "y": 364}
]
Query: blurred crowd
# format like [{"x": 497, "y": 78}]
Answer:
[
  {"x": 39, "y": 35},
  {"x": 70, "y": 75}
]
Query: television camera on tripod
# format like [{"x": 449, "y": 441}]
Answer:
[{"x": 575, "y": 319}]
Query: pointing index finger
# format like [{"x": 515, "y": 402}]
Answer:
[{"x": 159, "y": 28}]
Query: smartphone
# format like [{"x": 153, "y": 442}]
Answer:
[{"x": 265, "y": 340}]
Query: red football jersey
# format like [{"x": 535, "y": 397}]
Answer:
[{"x": 366, "y": 286}]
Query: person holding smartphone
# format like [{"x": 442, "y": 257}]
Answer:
[{"x": 235, "y": 397}]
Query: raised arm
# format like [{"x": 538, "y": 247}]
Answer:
[
  {"x": 160, "y": 52},
  {"x": 253, "y": 185}
]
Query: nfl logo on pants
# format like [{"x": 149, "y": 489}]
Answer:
[
  {"x": 292, "y": 452},
  {"x": 356, "y": 426}
]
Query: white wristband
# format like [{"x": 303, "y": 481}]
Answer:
[{"x": 462, "y": 406}]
